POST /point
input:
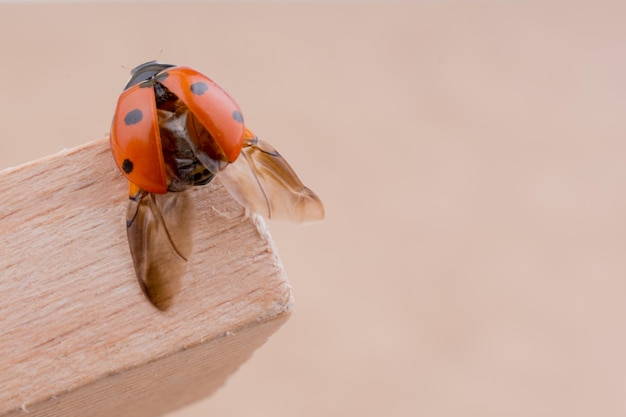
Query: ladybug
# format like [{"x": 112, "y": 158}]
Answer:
[{"x": 175, "y": 128}]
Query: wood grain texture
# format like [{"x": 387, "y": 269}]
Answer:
[{"x": 78, "y": 337}]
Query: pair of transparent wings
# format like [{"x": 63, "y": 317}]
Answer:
[{"x": 159, "y": 226}]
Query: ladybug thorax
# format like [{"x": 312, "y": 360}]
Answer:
[{"x": 146, "y": 71}]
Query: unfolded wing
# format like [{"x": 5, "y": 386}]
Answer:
[
  {"x": 159, "y": 236},
  {"x": 264, "y": 183}
]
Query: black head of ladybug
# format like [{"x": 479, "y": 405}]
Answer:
[{"x": 146, "y": 71}]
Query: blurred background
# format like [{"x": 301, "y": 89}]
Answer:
[{"x": 471, "y": 159}]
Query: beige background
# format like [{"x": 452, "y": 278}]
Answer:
[{"x": 472, "y": 162}]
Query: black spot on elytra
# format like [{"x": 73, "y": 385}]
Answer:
[
  {"x": 128, "y": 166},
  {"x": 199, "y": 88},
  {"x": 133, "y": 117},
  {"x": 238, "y": 116}
]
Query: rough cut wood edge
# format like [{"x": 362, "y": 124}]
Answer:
[{"x": 78, "y": 337}]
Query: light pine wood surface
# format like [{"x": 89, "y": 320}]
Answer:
[{"x": 79, "y": 338}]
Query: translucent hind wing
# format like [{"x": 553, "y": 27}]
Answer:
[
  {"x": 158, "y": 229},
  {"x": 264, "y": 183}
]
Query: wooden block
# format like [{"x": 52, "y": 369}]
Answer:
[{"x": 77, "y": 335}]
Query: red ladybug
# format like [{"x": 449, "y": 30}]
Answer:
[{"x": 174, "y": 128}]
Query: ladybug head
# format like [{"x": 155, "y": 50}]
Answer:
[{"x": 146, "y": 71}]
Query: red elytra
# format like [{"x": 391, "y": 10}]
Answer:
[{"x": 135, "y": 136}]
